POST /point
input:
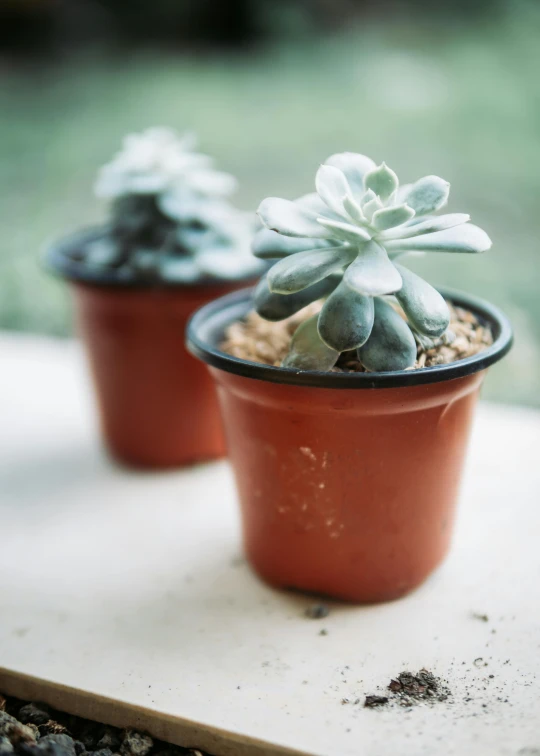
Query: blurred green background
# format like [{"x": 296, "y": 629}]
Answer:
[{"x": 273, "y": 89}]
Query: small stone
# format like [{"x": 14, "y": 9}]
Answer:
[
  {"x": 33, "y": 713},
  {"x": 317, "y": 611},
  {"x": 14, "y": 730},
  {"x": 481, "y": 617},
  {"x": 90, "y": 735},
  {"x": 5, "y": 746},
  {"x": 111, "y": 738},
  {"x": 372, "y": 701},
  {"x": 103, "y": 752},
  {"x": 52, "y": 728},
  {"x": 324, "y": 631},
  {"x": 62, "y": 740},
  {"x": 136, "y": 744}
]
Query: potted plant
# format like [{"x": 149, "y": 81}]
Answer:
[
  {"x": 347, "y": 428},
  {"x": 172, "y": 243}
]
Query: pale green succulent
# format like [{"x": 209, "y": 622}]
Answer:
[
  {"x": 171, "y": 219},
  {"x": 342, "y": 243}
]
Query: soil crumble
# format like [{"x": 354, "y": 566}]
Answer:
[{"x": 409, "y": 690}]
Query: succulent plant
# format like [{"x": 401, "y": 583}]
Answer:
[
  {"x": 342, "y": 243},
  {"x": 170, "y": 216}
]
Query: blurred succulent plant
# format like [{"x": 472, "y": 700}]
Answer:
[
  {"x": 342, "y": 243},
  {"x": 170, "y": 216}
]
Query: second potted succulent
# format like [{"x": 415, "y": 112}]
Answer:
[
  {"x": 348, "y": 395},
  {"x": 173, "y": 242}
]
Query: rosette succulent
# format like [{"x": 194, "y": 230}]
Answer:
[
  {"x": 171, "y": 219},
  {"x": 342, "y": 243}
]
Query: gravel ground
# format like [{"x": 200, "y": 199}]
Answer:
[{"x": 34, "y": 729}]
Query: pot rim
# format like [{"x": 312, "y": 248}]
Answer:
[
  {"x": 207, "y": 325},
  {"x": 59, "y": 263}
]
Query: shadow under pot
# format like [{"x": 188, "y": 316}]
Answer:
[
  {"x": 157, "y": 404},
  {"x": 347, "y": 481}
]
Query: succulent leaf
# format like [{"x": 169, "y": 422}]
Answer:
[
  {"x": 177, "y": 269},
  {"x": 391, "y": 345},
  {"x": 425, "y": 308},
  {"x": 346, "y": 319},
  {"x": 303, "y": 269},
  {"x": 428, "y": 194},
  {"x": 351, "y": 206},
  {"x": 422, "y": 226},
  {"x": 372, "y": 272},
  {"x": 354, "y": 166},
  {"x": 345, "y": 231},
  {"x": 371, "y": 207},
  {"x": 382, "y": 181},
  {"x": 308, "y": 351},
  {"x": 332, "y": 186},
  {"x": 389, "y": 217},
  {"x": 290, "y": 218},
  {"x": 466, "y": 238},
  {"x": 276, "y": 307},
  {"x": 268, "y": 244},
  {"x": 314, "y": 204}
]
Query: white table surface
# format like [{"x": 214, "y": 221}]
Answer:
[{"x": 129, "y": 587}]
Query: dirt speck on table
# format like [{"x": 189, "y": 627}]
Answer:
[
  {"x": 408, "y": 689},
  {"x": 480, "y": 617},
  {"x": 317, "y": 611}
]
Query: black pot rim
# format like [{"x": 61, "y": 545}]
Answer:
[
  {"x": 57, "y": 261},
  {"x": 207, "y": 325}
]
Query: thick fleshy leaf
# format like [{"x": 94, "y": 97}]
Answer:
[
  {"x": 420, "y": 226},
  {"x": 275, "y": 307},
  {"x": 346, "y": 231},
  {"x": 389, "y": 217},
  {"x": 355, "y": 167},
  {"x": 313, "y": 203},
  {"x": 391, "y": 345},
  {"x": 367, "y": 197},
  {"x": 174, "y": 268},
  {"x": 351, "y": 206},
  {"x": 402, "y": 192},
  {"x": 304, "y": 269},
  {"x": 227, "y": 262},
  {"x": 371, "y": 207},
  {"x": 290, "y": 218},
  {"x": 465, "y": 238},
  {"x": 213, "y": 183},
  {"x": 424, "y": 307},
  {"x": 428, "y": 194},
  {"x": 372, "y": 273},
  {"x": 269, "y": 245},
  {"x": 382, "y": 181},
  {"x": 332, "y": 186},
  {"x": 346, "y": 319},
  {"x": 103, "y": 252},
  {"x": 308, "y": 351}
]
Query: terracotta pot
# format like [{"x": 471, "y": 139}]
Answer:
[
  {"x": 347, "y": 482},
  {"x": 157, "y": 404}
]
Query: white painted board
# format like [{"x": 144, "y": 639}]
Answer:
[{"x": 130, "y": 587}]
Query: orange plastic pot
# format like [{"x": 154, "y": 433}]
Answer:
[
  {"x": 347, "y": 482},
  {"x": 157, "y": 403}
]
